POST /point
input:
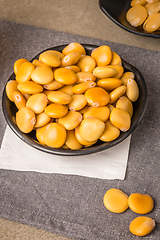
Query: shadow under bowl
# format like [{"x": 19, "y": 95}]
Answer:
[
  {"x": 9, "y": 111},
  {"x": 116, "y": 11}
]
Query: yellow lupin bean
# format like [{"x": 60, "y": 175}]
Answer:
[
  {"x": 18, "y": 63},
  {"x": 59, "y": 54},
  {"x": 78, "y": 102},
  {"x": 82, "y": 140},
  {"x": 109, "y": 83},
  {"x": 152, "y": 23},
  {"x": 65, "y": 76},
  {"x": 104, "y": 72},
  {"x": 117, "y": 93},
  {"x": 42, "y": 75},
  {"x": 91, "y": 128},
  {"x": 132, "y": 91},
  {"x": 59, "y": 97},
  {"x": 54, "y": 85},
  {"x": 37, "y": 63},
  {"x": 120, "y": 119},
  {"x": 86, "y": 63},
  {"x": 40, "y": 133},
  {"x": 102, "y": 55},
  {"x": 85, "y": 76},
  {"x": 55, "y": 135},
  {"x": 25, "y": 119},
  {"x": 142, "y": 226},
  {"x": 124, "y": 103},
  {"x": 71, "y": 140},
  {"x": 55, "y": 110},
  {"x": 110, "y": 133},
  {"x": 97, "y": 97},
  {"x": 37, "y": 102},
  {"x": 11, "y": 86},
  {"x": 138, "y": 2},
  {"x": 41, "y": 120},
  {"x": 50, "y": 58},
  {"x": 74, "y": 68},
  {"x": 126, "y": 76},
  {"x": 136, "y": 15},
  {"x": 24, "y": 72},
  {"x": 116, "y": 59},
  {"x": 120, "y": 70},
  {"x": 102, "y": 113},
  {"x": 153, "y": 7},
  {"x": 82, "y": 87},
  {"x": 67, "y": 89},
  {"x": 140, "y": 203},
  {"x": 30, "y": 87},
  {"x": 71, "y": 120},
  {"x": 19, "y": 99},
  {"x": 115, "y": 200},
  {"x": 70, "y": 59},
  {"x": 74, "y": 46}
]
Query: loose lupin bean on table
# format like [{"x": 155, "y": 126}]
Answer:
[{"x": 74, "y": 96}]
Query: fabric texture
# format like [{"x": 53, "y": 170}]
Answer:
[{"x": 72, "y": 205}]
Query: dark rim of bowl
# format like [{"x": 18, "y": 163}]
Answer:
[
  {"x": 144, "y": 34},
  {"x": 6, "y": 104}
]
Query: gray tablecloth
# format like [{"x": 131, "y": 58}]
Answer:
[{"x": 72, "y": 206}]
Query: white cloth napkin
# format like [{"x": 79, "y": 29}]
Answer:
[{"x": 108, "y": 164}]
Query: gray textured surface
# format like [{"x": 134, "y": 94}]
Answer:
[{"x": 70, "y": 205}]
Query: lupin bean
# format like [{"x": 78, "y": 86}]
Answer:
[
  {"x": 37, "y": 102},
  {"x": 115, "y": 200},
  {"x": 71, "y": 140},
  {"x": 102, "y": 55},
  {"x": 120, "y": 119},
  {"x": 55, "y": 135},
  {"x": 50, "y": 58},
  {"x": 19, "y": 99},
  {"x": 71, "y": 120},
  {"x": 11, "y": 86},
  {"x": 142, "y": 226},
  {"x": 25, "y": 119},
  {"x": 110, "y": 132},
  {"x": 140, "y": 203},
  {"x": 97, "y": 97},
  {"x": 91, "y": 128}
]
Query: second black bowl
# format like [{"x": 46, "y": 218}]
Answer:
[{"x": 116, "y": 10}]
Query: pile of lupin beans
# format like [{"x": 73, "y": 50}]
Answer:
[
  {"x": 145, "y": 13},
  {"x": 72, "y": 99},
  {"x": 117, "y": 201}
]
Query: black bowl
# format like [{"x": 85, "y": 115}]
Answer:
[
  {"x": 9, "y": 111},
  {"x": 116, "y": 10}
]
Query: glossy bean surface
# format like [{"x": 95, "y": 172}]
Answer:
[
  {"x": 120, "y": 119},
  {"x": 71, "y": 120},
  {"x": 19, "y": 99},
  {"x": 140, "y": 203},
  {"x": 97, "y": 97},
  {"x": 25, "y": 119},
  {"x": 142, "y": 226},
  {"x": 102, "y": 55},
  {"x": 115, "y": 200},
  {"x": 91, "y": 129},
  {"x": 37, "y": 102}
]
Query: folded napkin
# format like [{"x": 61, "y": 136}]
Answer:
[{"x": 109, "y": 164}]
